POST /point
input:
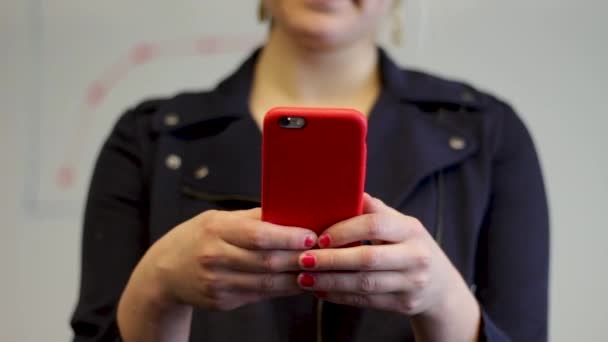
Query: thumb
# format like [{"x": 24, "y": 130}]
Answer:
[
  {"x": 372, "y": 204},
  {"x": 255, "y": 213}
]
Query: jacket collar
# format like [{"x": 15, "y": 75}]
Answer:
[
  {"x": 231, "y": 97},
  {"x": 408, "y": 137}
]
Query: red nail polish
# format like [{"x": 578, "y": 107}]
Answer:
[
  {"x": 324, "y": 241},
  {"x": 309, "y": 242},
  {"x": 307, "y": 280},
  {"x": 321, "y": 294},
  {"x": 308, "y": 261}
]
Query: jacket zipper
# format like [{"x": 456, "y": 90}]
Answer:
[
  {"x": 439, "y": 214},
  {"x": 439, "y": 209},
  {"x": 319, "y": 320},
  {"x": 439, "y": 179}
]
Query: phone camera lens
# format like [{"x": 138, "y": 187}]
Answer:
[
  {"x": 285, "y": 121},
  {"x": 292, "y": 122}
]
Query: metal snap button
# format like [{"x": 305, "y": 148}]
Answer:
[
  {"x": 171, "y": 119},
  {"x": 201, "y": 172},
  {"x": 173, "y": 161},
  {"x": 457, "y": 143}
]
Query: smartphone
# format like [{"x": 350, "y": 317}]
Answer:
[{"x": 313, "y": 166}]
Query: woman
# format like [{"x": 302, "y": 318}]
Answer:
[{"x": 173, "y": 249}]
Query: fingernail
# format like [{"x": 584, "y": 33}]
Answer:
[
  {"x": 324, "y": 241},
  {"x": 307, "y": 280},
  {"x": 308, "y": 261},
  {"x": 320, "y": 294},
  {"x": 309, "y": 242}
]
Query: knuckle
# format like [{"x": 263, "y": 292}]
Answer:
[
  {"x": 338, "y": 282},
  {"x": 208, "y": 218},
  {"x": 411, "y": 306},
  {"x": 420, "y": 281},
  {"x": 257, "y": 238},
  {"x": 209, "y": 258},
  {"x": 223, "y": 301},
  {"x": 206, "y": 260},
  {"x": 374, "y": 226},
  {"x": 367, "y": 284},
  {"x": 267, "y": 283},
  {"x": 224, "y": 305},
  {"x": 214, "y": 292},
  {"x": 422, "y": 260},
  {"x": 329, "y": 282},
  {"x": 328, "y": 260},
  {"x": 370, "y": 258},
  {"x": 357, "y": 300},
  {"x": 208, "y": 278},
  {"x": 211, "y": 285},
  {"x": 416, "y": 225},
  {"x": 270, "y": 262},
  {"x": 211, "y": 222}
]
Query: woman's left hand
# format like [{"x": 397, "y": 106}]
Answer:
[{"x": 407, "y": 272}]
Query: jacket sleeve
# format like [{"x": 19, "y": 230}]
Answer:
[
  {"x": 513, "y": 257},
  {"x": 114, "y": 234}
]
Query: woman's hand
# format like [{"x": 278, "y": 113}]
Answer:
[
  {"x": 222, "y": 260},
  {"x": 405, "y": 271},
  {"x": 218, "y": 260}
]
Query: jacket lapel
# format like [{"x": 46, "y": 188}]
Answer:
[
  {"x": 406, "y": 145},
  {"x": 220, "y": 141},
  {"x": 412, "y": 133}
]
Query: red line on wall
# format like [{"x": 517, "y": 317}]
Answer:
[{"x": 143, "y": 53}]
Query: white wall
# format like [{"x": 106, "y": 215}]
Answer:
[{"x": 545, "y": 57}]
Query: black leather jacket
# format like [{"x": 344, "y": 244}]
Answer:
[{"x": 459, "y": 160}]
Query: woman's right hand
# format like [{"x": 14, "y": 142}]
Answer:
[{"x": 218, "y": 260}]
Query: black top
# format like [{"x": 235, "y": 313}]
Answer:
[{"x": 459, "y": 160}]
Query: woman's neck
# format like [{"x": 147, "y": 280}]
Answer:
[{"x": 288, "y": 74}]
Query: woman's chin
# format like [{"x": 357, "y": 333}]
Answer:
[
  {"x": 330, "y": 5},
  {"x": 322, "y": 32}
]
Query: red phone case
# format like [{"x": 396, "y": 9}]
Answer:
[{"x": 314, "y": 176}]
